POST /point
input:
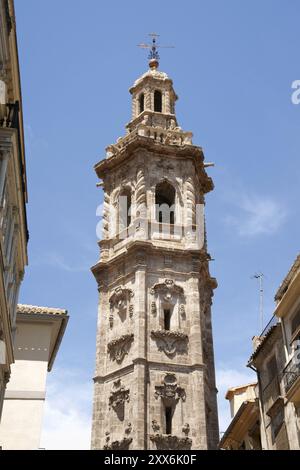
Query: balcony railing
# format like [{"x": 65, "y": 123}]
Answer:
[
  {"x": 271, "y": 392},
  {"x": 291, "y": 372}
]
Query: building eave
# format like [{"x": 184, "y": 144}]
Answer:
[
  {"x": 265, "y": 341},
  {"x": 289, "y": 298},
  {"x": 288, "y": 279},
  {"x": 238, "y": 425},
  {"x": 34, "y": 313}
]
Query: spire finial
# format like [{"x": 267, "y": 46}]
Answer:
[{"x": 153, "y": 54}]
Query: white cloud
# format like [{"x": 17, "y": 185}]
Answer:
[
  {"x": 227, "y": 378},
  {"x": 67, "y": 414},
  {"x": 258, "y": 215},
  {"x": 57, "y": 261}
]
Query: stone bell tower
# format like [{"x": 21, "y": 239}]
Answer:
[{"x": 155, "y": 378}]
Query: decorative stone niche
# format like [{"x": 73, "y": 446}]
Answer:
[
  {"x": 118, "y": 348},
  {"x": 120, "y": 303},
  {"x": 169, "y": 293}
]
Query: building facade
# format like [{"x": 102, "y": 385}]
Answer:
[
  {"x": 155, "y": 378},
  {"x": 13, "y": 192},
  {"x": 276, "y": 361},
  {"x": 244, "y": 430},
  {"x": 39, "y": 331}
]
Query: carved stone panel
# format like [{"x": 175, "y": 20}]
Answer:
[
  {"x": 118, "y": 348},
  {"x": 118, "y": 396},
  {"x": 169, "y": 391},
  {"x": 122, "y": 444},
  {"x": 170, "y": 342},
  {"x": 169, "y": 442}
]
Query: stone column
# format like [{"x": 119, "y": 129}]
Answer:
[
  {"x": 140, "y": 397},
  {"x": 167, "y": 108},
  {"x": 197, "y": 410},
  {"x": 148, "y": 99}
]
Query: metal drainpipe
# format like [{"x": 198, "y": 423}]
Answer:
[{"x": 261, "y": 403}]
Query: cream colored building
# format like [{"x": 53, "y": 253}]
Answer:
[
  {"x": 155, "y": 378},
  {"x": 13, "y": 192},
  {"x": 38, "y": 335},
  {"x": 243, "y": 432},
  {"x": 276, "y": 360}
]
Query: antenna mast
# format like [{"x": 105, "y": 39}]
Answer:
[{"x": 260, "y": 278}]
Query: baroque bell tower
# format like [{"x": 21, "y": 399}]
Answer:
[{"x": 155, "y": 378}]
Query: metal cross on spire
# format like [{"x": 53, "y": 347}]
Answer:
[{"x": 153, "y": 54}]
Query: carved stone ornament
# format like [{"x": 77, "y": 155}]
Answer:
[
  {"x": 123, "y": 444},
  {"x": 120, "y": 301},
  {"x": 167, "y": 287},
  {"x": 186, "y": 429},
  {"x": 118, "y": 395},
  {"x": 170, "y": 342},
  {"x": 155, "y": 426},
  {"x": 170, "y": 391},
  {"x": 119, "y": 347},
  {"x": 169, "y": 442}
]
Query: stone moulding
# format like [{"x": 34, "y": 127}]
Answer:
[
  {"x": 170, "y": 442},
  {"x": 170, "y": 342},
  {"x": 119, "y": 347}
]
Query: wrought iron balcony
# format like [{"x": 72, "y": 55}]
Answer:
[
  {"x": 291, "y": 372},
  {"x": 271, "y": 393},
  {"x": 9, "y": 117}
]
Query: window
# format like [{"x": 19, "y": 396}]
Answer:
[
  {"x": 168, "y": 416},
  {"x": 165, "y": 203},
  {"x": 167, "y": 319},
  {"x": 141, "y": 102},
  {"x": 272, "y": 368},
  {"x": 124, "y": 209},
  {"x": 157, "y": 101},
  {"x": 295, "y": 322}
]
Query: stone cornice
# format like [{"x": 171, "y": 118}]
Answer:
[
  {"x": 162, "y": 366},
  {"x": 151, "y": 247},
  {"x": 174, "y": 151}
]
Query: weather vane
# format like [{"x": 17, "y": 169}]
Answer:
[{"x": 153, "y": 54}]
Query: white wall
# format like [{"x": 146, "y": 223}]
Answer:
[{"x": 21, "y": 423}]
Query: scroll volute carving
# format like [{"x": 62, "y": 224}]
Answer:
[{"x": 121, "y": 302}]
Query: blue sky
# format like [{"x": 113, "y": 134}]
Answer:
[{"x": 232, "y": 67}]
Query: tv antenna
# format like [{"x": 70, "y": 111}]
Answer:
[
  {"x": 260, "y": 278},
  {"x": 153, "y": 52}
]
